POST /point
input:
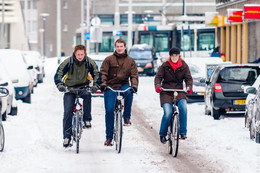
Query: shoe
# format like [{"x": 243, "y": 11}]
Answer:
[
  {"x": 183, "y": 136},
  {"x": 163, "y": 139},
  {"x": 66, "y": 142},
  {"x": 87, "y": 125},
  {"x": 127, "y": 122},
  {"x": 108, "y": 142}
]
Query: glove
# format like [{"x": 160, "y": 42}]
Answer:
[
  {"x": 94, "y": 89},
  {"x": 133, "y": 90},
  {"x": 104, "y": 88},
  {"x": 189, "y": 91},
  {"x": 158, "y": 89},
  {"x": 61, "y": 87}
]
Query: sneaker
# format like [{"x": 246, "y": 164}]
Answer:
[
  {"x": 127, "y": 122},
  {"x": 87, "y": 125},
  {"x": 108, "y": 142},
  {"x": 183, "y": 136},
  {"x": 163, "y": 139},
  {"x": 66, "y": 142}
]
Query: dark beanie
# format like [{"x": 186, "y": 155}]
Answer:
[{"x": 174, "y": 50}]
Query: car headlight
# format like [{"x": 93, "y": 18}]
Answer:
[{"x": 149, "y": 65}]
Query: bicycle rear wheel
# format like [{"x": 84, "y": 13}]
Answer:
[
  {"x": 2, "y": 138},
  {"x": 175, "y": 134}
]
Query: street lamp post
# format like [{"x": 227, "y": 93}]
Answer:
[{"x": 44, "y": 16}]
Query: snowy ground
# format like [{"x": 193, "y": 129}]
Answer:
[{"x": 34, "y": 139}]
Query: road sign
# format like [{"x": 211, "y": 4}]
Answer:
[
  {"x": 117, "y": 33},
  {"x": 96, "y": 21},
  {"x": 87, "y": 35}
]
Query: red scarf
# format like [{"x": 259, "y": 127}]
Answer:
[{"x": 175, "y": 66}]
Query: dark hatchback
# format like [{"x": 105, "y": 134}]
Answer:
[
  {"x": 224, "y": 90},
  {"x": 145, "y": 58}
]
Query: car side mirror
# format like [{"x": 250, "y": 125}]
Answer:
[
  {"x": 251, "y": 90},
  {"x": 4, "y": 92},
  {"x": 4, "y": 84}
]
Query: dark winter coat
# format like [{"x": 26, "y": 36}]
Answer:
[
  {"x": 117, "y": 69},
  {"x": 165, "y": 79},
  {"x": 76, "y": 74}
]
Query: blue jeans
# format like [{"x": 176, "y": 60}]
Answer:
[
  {"x": 69, "y": 102},
  {"x": 110, "y": 100},
  {"x": 167, "y": 108}
]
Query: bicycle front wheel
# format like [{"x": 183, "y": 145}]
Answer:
[
  {"x": 77, "y": 130},
  {"x": 175, "y": 134},
  {"x": 2, "y": 137},
  {"x": 119, "y": 131}
]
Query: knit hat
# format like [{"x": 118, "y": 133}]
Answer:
[{"x": 174, "y": 50}]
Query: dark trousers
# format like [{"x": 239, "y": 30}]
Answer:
[{"x": 68, "y": 102}]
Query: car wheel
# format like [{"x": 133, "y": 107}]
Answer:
[
  {"x": 246, "y": 119},
  {"x": 4, "y": 116},
  {"x": 215, "y": 113},
  {"x": 252, "y": 130},
  {"x": 257, "y": 139},
  {"x": 13, "y": 111},
  {"x": 27, "y": 99}
]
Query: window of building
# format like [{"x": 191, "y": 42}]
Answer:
[
  {"x": 206, "y": 41},
  {"x": 34, "y": 26},
  {"x": 65, "y": 4},
  {"x": 34, "y": 4},
  {"x": 22, "y": 4},
  {"x": 65, "y": 28},
  {"x": 29, "y": 4}
]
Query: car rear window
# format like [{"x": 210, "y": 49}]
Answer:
[
  {"x": 239, "y": 73},
  {"x": 140, "y": 54}
]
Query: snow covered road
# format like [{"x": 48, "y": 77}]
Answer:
[{"x": 34, "y": 139}]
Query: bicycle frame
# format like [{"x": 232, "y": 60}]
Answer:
[
  {"x": 77, "y": 117},
  {"x": 118, "y": 125},
  {"x": 174, "y": 127}
]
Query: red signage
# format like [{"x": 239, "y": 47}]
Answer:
[
  {"x": 251, "y": 11},
  {"x": 235, "y": 16}
]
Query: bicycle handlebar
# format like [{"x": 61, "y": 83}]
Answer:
[
  {"x": 71, "y": 89},
  {"x": 174, "y": 90},
  {"x": 118, "y": 91}
]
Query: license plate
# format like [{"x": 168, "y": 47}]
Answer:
[
  {"x": 140, "y": 69},
  {"x": 239, "y": 102}
]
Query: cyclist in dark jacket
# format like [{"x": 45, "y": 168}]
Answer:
[
  {"x": 74, "y": 72},
  {"x": 171, "y": 75}
]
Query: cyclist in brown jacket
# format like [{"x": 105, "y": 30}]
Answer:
[
  {"x": 116, "y": 71},
  {"x": 171, "y": 75}
]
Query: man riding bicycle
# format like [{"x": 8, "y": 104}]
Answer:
[
  {"x": 74, "y": 72},
  {"x": 117, "y": 70},
  {"x": 171, "y": 75}
]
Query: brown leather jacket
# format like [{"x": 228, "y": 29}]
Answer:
[
  {"x": 117, "y": 69},
  {"x": 164, "y": 78}
]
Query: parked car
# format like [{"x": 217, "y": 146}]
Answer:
[
  {"x": 224, "y": 91},
  {"x": 37, "y": 62},
  {"x": 17, "y": 70},
  {"x": 198, "y": 69},
  {"x": 11, "y": 105},
  {"x": 32, "y": 68},
  {"x": 145, "y": 58},
  {"x": 254, "y": 119}
]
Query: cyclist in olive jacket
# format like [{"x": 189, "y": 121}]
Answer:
[{"x": 74, "y": 72}]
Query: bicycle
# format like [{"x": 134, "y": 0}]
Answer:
[
  {"x": 118, "y": 118},
  {"x": 173, "y": 133},
  {"x": 77, "y": 119},
  {"x": 3, "y": 93}
]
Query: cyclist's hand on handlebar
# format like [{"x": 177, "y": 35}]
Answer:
[
  {"x": 133, "y": 90},
  {"x": 189, "y": 91},
  {"x": 104, "y": 88},
  {"x": 158, "y": 89},
  {"x": 61, "y": 87}
]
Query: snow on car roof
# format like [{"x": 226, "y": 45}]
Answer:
[{"x": 141, "y": 46}]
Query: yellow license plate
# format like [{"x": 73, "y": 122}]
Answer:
[
  {"x": 140, "y": 69},
  {"x": 239, "y": 102}
]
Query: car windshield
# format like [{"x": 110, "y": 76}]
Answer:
[
  {"x": 140, "y": 54},
  {"x": 241, "y": 74}
]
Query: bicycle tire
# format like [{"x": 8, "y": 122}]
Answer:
[
  {"x": 2, "y": 137},
  {"x": 77, "y": 132},
  {"x": 175, "y": 134},
  {"x": 116, "y": 130},
  {"x": 120, "y": 132},
  {"x": 169, "y": 134}
]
